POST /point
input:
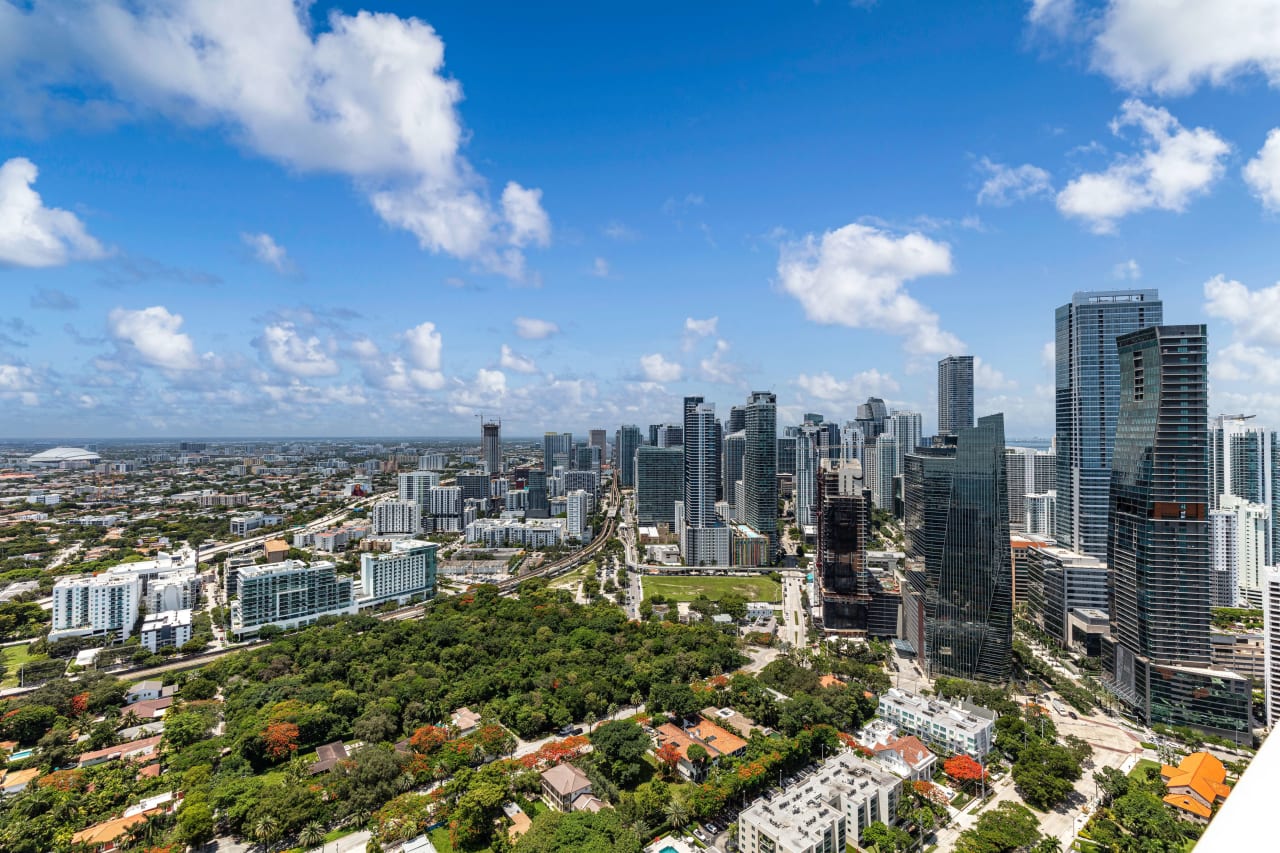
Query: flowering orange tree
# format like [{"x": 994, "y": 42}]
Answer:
[{"x": 280, "y": 739}]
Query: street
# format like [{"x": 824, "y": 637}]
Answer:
[{"x": 794, "y": 628}]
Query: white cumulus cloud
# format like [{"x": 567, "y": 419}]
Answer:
[
  {"x": 1006, "y": 184},
  {"x": 512, "y": 360},
  {"x": 658, "y": 369},
  {"x": 294, "y": 354},
  {"x": 1262, "y": 173},
  {"x": 424, "y": 345},
  {"x": 363, "y": 96},
  {"x": 156, "y": 336},
  {"x": 267, "y": 250},
  {"x": 1253, "y": 314},
  {"x": 1129, "y": 270},
  {"x": 988, "y": 378},
  {"x": 1172, "y": 46},
  {"x": 533, "y": 329},
  {"x": 868, "y": 383},
  {"x": 855, "y": 276},
  {"x": 32, "y": 235},
  {"x": 1174, "y": 166}
]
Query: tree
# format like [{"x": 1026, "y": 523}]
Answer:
[
  {"x": 1112, "y": 783},
  {"x": 266, "y": 830},
  {"x": 195, "y": 822},
  {"x": 280, "y": 739},
  {"x": 884, "y": 838},
  {"x": 698, "y": 755},
  {"x": 962, "y": 768},
  {"x": 668, "y": 757},
  {"x": 1004, "y": 829},
  {"x": 620, "y": 747},
  {"x": 677, "y": 813},
  {"x": 312, "y": 835}
]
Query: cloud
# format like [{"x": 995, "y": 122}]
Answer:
[
  {"x": 1055, "y": 16},
  {"x": 1006, "y": 184},
  {"x": 32, "y": 235},
  {"x": 488, "y": 389},
  {"x": 600, "y": 268},
  {"x": 1172, "y": 46},
  {"x": 989, "y": 378},
  {"x": 52, "y": 299},
  {"x": 124, "y": 271},
  {"x": 658, "y": 369},
  {"x": 155, "y": 336},
  {"x": 855, "y": 276},
  {"x": 364, "y": 97},
  {"x": 695, "y": 330},
  {"x": 717, "y": 368},
  {"x": 512, "y": 360},
  {"x": 268, "y": 251},
  {"x": 1254, "y": 315},
  {"x": 532, "y": 329},
  {"x": 618, "y": 231},
  {"x": 1127, "y": 270},
  {"x": 424, "y": 345},
  {"x": 1049, "y": 355},
  {"x": 1262, "y": 173},
  {"x": 1174, "y": 166},
  {"x": 674, "y": 206},
  {"x": 291, "y": 353},
  {"x": 868, "y": 383}
]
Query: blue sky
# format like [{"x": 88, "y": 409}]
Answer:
[{"x": 240, "y": 218}]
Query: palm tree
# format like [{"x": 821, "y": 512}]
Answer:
[
  {"x": 677, "y": 813},
  {"x": 404, "y": 783},
  {"x": 1048, "y": 844},
  {"x": 266, "y": 831},
  {"x": 359, "y": 817},
  {"x": 312, "y": 835}
]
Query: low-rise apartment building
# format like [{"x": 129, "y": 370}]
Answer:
[{"x": 963, "y": 728}]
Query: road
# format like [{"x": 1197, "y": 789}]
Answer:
[{"x": 794, "y": 625}]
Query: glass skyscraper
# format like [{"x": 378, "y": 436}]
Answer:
[
  {"x": 629, "y": 439},
  {"x": 957, "y": 523},
  {"x": 1087, "y": 396},
  {"x": 1157, "y": 658},
  {"x": 955, "y": 394},
  {"x": 760, "y": 467}
]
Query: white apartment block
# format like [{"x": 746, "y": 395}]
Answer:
[
  {"x": 1271, "y": 644},
  {"x": 433, "y": 461},
  {"x": 502, "y": 532},
  {"x": 955, "y": 728},
  {"x": 173, "y": 591},
  {"x": 408, "y": 569},
  {"x": 397, "y": 517},
  {"x": 579, "y": 513},
  {"x": 95, "y": 605},
  {"x": 1040, "y": 512},
  {"x": 1240, "y": 532},
  {"x": 243, "y": 525},
  {"x": 824, "y": 813},
  {"x": 162, "y": 630},
  {"x": 414, "y": 485},
  {"x": 443, "y": 500},
  {"x": 289, "y": 594}
]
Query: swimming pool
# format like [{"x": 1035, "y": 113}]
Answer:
[{"x": 24, "y": 754}]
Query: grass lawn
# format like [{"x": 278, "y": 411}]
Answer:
[
  {"x": 1143, "y": 764},
  {"x": 14, "y": 657},
  {"x": 687, "y": 588}
]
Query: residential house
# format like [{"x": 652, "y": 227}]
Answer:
[
  {"x": 16, "y": 781},
  {"x": 907, "y": 757},
  {"x": 327, "y": 757},
  {"x": 562, "y": 785},
  {"x": 711, "y": 737},
  {"x": 465, "y": 721},
  {"x": 138, "y": 750}
]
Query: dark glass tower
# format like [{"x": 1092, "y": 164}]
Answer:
[
  {"x": 957, "y": 521},
  {"x": 760, "y": 467},
  {"x": 629, "y": 438},
  {"x": 955, "y": 394},
  {"x": 853, "y": 600},
  {"x": 1087, "y": 397},
  {"x": 1157, "y": 658}
]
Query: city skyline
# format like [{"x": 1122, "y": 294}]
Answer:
[{"x": 180, "y": 255}]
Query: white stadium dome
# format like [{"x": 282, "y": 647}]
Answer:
[{"x": 60, "y": 455}]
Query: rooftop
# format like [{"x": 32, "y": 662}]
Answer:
[{"x": 56, "y": 455}]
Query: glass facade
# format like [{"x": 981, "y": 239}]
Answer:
[
  {"x": 1159, "y": 548},
  {"x": 760, "y": 467},
  {"x": 629, "y": 438},
  {"x": 955, "y": 394},
  {"x": 659, "y": 483},
  {"x": 957, "y": 521},
  {"x": 1087, "y": 397}
]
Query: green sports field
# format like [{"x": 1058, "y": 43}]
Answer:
[{"x": 689, "y": 587}]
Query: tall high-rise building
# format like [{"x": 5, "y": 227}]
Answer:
[
  {"x": 1157, "y": 658},
  {"x": 760, "y": 467},
  {"x": 556, "y": 449},
  {"x": 1029, "y": 472},
  {"x": 1242, "y": 463},
  {"x": 1271, "y": 644},
  {"x": 598, "y": 439},
  {"x": 907, "y": 428},
  {"x": 416, "y": 485},
  {"x": 809, "y": 453},
  {"x": 957, "y": 524},
  {"x": 659, "y": 479},
  {"x": 737, "y": 420},
  {"x": 491, "y": 447},
  {"x": 1087, "y": 397},
  {"x": 537, "y": 502},
  {"x": 880, "y": 468},
  {"x": 735, "y": 451},
  {"x": 704, "y": 538},
  {"x": 670, "y": 435},
  {"x": 853, "y": 600},
  {"x": 786, "y": 454},
  {"x": 871, "y": 417},
  {"x": 851, "y": 442},
  {"x": 955, "y": 394},
  {"x": 1239, "y": 529},
  {"x": 629, "y": 439}
]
